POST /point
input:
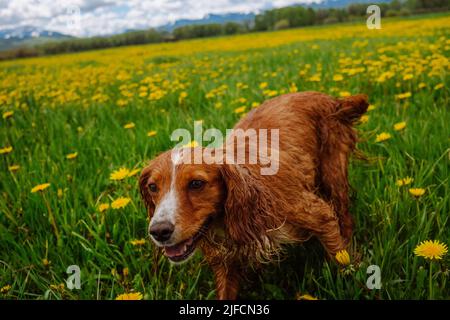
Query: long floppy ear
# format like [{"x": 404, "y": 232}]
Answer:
[
  {"x": 248, "y": 210},
  {"x": 145, "y": 193}
]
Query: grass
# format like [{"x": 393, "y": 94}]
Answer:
[{"x": 80, "y": 103}]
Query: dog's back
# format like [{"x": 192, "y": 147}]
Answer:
[{"x": 316, "y": 140}]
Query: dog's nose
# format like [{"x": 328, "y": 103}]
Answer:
[{"x": 161, "y": 231}]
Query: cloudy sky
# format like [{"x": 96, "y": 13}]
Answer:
[{"x": 102, "y": 17}]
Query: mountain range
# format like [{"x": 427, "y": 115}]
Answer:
[{"x": 30, "y": 35}]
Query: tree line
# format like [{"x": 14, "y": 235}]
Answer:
[{"x": 275, "y": 19}]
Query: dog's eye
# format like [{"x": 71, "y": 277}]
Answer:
[
  {"x": 196, "y": 184},
  {"x": 152, "y": 187}
]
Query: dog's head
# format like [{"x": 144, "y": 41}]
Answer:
[{"x": 182, "y": 200}]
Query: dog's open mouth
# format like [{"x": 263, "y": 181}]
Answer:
[{"x": 184, "y": 249}]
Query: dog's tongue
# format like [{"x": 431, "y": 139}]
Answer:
[{"x": 178, "y": 249}]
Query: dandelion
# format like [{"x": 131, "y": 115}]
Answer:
[
  {"x": 7, "y": 114},
  {"x": 6, "y": 150},
  {"x": 438, "y": 86},
  {"x": 129, "y": 125},
  {"x": 192, "y": 144},
  {"x": 71, "y": 156},
  {"x": 121, "y": 202},
  {"x": 255, "y": 104},
  {"x": 343, "y": 258},
  {"x": 293, "y": 87},
  {"x": 306, "y": 297},
  {"x": 60, "y": 193},
  {"x": 422, "y": 85},
  {"x": 120, "y": 174},
  {"x": 338, "y": 77},
  {"x": 364, "y": 119},
  {"x": 382, "y": 137},
  {"x": 45, "y": 262},
  {"x": 240, "y": 109},
  {"x": 315, "y": 78},
  {"x": 138, "y": 242},
  {"x": 133, "y": 172},
  {"x": 417, "y": 192},
  {"x": 371, "y": 107},
  {"x": 5, "y": 289},
  {"x": 404, "y": 181},
  {"x": 431, "y": 250},
  {"x": 263, "y": 85},
  {"x": 14, "y": 168},
  {"x": 400, "y": 126},
  {"x": 151, "y": 133},
  {"x": 344, "y": 94},
  {"x": 408, "y": 77},
  {"x": 403, "y": 96},
  {"x": 40, "y": 187},
  {"x": 130, "y": 296},
  {"x": 103, "y": 207}
]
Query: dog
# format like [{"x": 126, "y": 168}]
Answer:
[{"x": 239, "y": 217}]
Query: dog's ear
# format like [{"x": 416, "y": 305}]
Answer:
[
  {"x": 145, "y": 192},
  {"x": 247, "y": 211}
]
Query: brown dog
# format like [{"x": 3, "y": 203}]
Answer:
[{"x": 238, "y": 216}]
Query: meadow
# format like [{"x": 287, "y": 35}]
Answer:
[{"x": 77, "y": 129}]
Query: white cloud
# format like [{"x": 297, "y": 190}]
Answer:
[{"x": 103, "y": 17}]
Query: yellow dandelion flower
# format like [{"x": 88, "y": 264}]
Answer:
[
  {"x": 71, "y": 156},
  {"x": 263, "y": 85},
  {"x": 130, "y": 125},
  {"x": 293, "y": 87},
  {"x": 8, "y": 114},
  {"x": 60, "y": 193},
  {"x": 338, "y": 77},
  {"x": 255, "y": 104},
  {"x": 120, "y": 174},
  {"x": 14, "y": 167},
  {"x": 121, "y": 202},
  {"x": 438, "y": 86},
  {"x": 133, "y": 172},
  {"x": 138, "y": 242},
  {"x": 6, "y": 150},
  {"x": 343, "y": 258},
  {"x": 422, "y": 85},
  {"x": 151, "y": 133},
  {"x": 192, "y": 144},
  {"x": 417, "y": 192},
  {"x": 306, "y": 297},
  {"x": 404, "y": 181},
  {"x": 400, "y": 126},
  {"x": 344, "y": 94},
  {"x": 240, "y": 109},
  {"x": 364, "y": 119},
  {"x": 103, "y": 207},
  {"x": 408, "y": 76},
  {"x": 5, "y": 289},
  {"x": 431, "y": 249},
  {"x": 130, "y": 296},
  {"x": 371, "y": 107},
  {"x": 382, "y": 137},
  {"x": 40, "y": 187},
  {"x": 45, "y": 262},
  {"x": 403, "y": 96}
]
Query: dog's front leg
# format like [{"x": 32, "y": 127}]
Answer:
[{"x": 227, "y": 280}]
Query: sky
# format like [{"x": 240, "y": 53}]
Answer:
[{"x": 104, "y": 17}]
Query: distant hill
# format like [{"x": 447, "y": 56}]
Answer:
[
  {"x": 210, "y": 18},
  {"x": 27, "y": 35},
  {"x": 340, "y": 3}
]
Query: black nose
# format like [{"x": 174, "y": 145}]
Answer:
[{"x": 161, "y": 231}]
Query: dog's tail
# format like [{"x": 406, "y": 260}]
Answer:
[{"x": 338, "y": 139}]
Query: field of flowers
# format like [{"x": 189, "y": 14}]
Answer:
[{"x": 77, "y": 129}]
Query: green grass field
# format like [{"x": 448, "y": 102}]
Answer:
[{"x": 81, "y": 103}]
